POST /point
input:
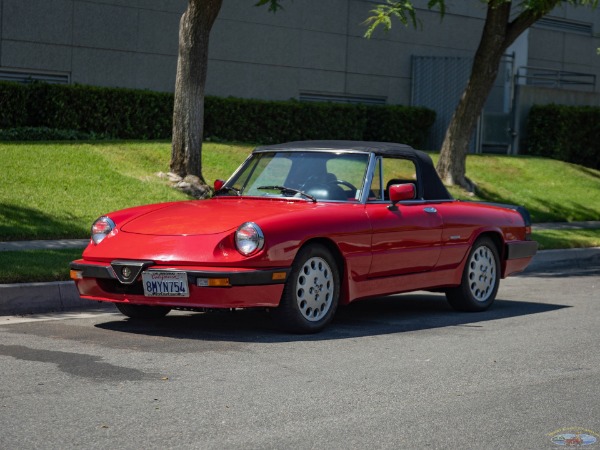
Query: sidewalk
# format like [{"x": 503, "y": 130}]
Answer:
[
  {"x": 36, "y": 298},
  {"x": 566, "y": 225},
  {"x": 15, "y": 246}
]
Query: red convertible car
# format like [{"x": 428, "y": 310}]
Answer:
[{"x": 301, "y": 228}]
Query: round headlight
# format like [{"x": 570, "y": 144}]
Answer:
[
  {"x": 102, "y": 228},
  {"x": 249, "y": 238}
]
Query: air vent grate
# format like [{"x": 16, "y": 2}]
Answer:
[
  {"x": 337, "y": 98},
  {"x": 568, "y": 26},
  {"x": 21, "y": 76}
]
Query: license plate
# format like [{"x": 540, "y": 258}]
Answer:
[{"x": 165, "y": 284}]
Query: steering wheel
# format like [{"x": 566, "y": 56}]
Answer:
[{"x": 345, "y": 183}]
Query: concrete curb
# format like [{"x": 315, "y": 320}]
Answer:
[
  {"x": 546, "y": 260},
  {"x": 38, "y": 298}
]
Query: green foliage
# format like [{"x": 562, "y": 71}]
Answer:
[
  {"x": 567, "y": 133},
  {"x": 38, "y": 111},
  {"x": 274, "y": 5},
  {"x": 13, "y": 105},
  {"x": 270, "y": 122},
  {"x": 404, "y": 11},
  {"x": 398, "y": 124},
  {"x": 120, "y": 113},
  {"x": 46, "y": 134}
]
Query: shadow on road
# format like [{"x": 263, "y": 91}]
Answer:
[{"x": 388, "y": 315}]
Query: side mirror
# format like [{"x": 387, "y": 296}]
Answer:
[
  {"x": 218, "y": 184},
  {"x": 399, "y": 192}
]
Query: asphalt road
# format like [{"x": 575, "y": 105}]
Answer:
[{"x": 401, "y": 372}]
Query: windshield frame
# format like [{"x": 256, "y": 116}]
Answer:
[{"x": 234, "y": 178}]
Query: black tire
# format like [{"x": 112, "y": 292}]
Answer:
[
  {"x": 142, "y": 311},
  {"x": 480, "y": 279},
  {"x": 311, "y": 293}
]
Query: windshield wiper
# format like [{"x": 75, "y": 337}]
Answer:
[
  {"x": 229, "y": 189},
  {"x": 285, "y": 190}
]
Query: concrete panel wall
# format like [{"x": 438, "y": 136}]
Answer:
[
  {"x": 41, "y": 21},
  {"x": 123, "y": 43},
  {"x": 312, "y": 46}
]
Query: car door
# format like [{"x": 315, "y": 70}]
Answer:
[{"x": 405, "y": 238}]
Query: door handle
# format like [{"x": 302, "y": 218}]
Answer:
[{"x": 430, "y": 210}]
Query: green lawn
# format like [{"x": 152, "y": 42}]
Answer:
[
  {"x": 55, "y": 190},
  {"x": 31, "y": 266},
  {"x": 553, "y": 239},
  {"x": 552, "y": 191}
]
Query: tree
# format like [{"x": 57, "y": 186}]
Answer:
[
  {"x": 500, "y": 30},
  {"x": 188, "y": 112}
]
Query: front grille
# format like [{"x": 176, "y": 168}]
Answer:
[{"x": 115, "y": 287}]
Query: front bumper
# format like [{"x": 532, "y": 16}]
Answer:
[{"x": 238, "y": 287}]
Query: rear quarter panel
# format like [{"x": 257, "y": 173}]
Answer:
[{"x": 464, "y": 222}]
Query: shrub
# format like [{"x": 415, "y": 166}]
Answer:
[
  {"x": 566, "y": 133},
  {"x": 45, "y": 134},
  {"x": 138, "y": 114},
  {"x": 13, "y": 105}
]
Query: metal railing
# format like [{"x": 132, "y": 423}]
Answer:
[{"x": 539, "y": 76}]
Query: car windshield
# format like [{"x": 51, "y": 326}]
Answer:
[{"x": 311, "y": 175}]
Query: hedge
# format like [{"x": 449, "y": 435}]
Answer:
[
  {"x": 139, "y": 114},
  {"x": 567, "y": 133}
]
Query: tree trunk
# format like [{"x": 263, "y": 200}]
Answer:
[
  {"x": 453, "y": 155},
  {"x": 498, "y": 35},
  {"x": 188, "y": 113}
]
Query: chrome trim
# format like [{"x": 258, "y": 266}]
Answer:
[
  {"x": 364, "y": 195},
  {"x": 430, "y": 210},
  {"x": 135, "y": 268}
]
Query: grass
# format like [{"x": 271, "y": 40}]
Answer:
[
  {"x": 36, "y": 265},
  {"x": 552, "y": 191},
  {"x": 554, "y": 239},
  {"x": 55, "y": 190}
]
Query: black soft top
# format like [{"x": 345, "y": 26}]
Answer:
[{"x": 432, "y": 186}]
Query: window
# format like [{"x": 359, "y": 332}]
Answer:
[{"x": 391, "y": 171}]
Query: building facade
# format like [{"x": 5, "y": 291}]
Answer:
[{"x": 311, "y": 50}]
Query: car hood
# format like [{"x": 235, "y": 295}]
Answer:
[{"x": 208, "y": 216}]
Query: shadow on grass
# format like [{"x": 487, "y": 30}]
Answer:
[
  {"x": 380, "y": 316},
  {"x": 589, "y": 172},
  {"x": 18, "y": 222},
  {"x": 552, "y": 212}
]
